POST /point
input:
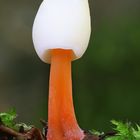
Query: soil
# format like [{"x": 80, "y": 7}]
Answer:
[
  {"x": 34, "y": 133},
  {"x": 35, "y": 136}
]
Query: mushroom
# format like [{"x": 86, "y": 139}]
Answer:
[{"x": 61, "y": 33}]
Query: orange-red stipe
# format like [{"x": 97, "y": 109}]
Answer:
[{"x": 62, "y": 123}]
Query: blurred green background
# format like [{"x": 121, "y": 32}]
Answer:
[{"x": 106, "y": 81}]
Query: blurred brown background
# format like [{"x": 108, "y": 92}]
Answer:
[{"x": 106, "y": 81}]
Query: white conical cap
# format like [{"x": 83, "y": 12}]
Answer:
[{"x": 62, "y": 24}]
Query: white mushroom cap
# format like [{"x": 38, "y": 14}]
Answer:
[{"x": 63, "y": 24}]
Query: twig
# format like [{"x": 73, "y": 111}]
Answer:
[
  {"x": 44, "y": 123},
  {"x": 33, "y": 133},
  {"x": 9, "y": 131},
  {"x": 107, "y": 134}
]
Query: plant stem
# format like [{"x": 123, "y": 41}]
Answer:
[{"x": 62, "y": 123}]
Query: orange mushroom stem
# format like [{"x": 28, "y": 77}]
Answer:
[{"x": 62, "y": 123}]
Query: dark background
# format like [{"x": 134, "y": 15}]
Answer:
[{"x": 106, "y": 81}]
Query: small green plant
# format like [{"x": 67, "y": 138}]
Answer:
[
  {"x": 8, "y": 119},
  {"x": 122, "y": 131}
]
